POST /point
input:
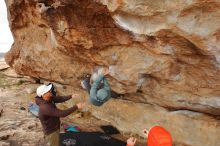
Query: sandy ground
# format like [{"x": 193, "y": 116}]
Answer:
[{"x": 18, "y": 127}]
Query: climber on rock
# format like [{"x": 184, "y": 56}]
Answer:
[
  {"x": 49, "y": 114},
  {"x": 99, "y": 91},
  {"x": 156, "y": 136}
]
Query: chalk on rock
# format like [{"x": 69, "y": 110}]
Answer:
[{"x": 42, "y": 8}]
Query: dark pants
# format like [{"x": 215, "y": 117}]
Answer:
[{"x": 86, "y": 83}]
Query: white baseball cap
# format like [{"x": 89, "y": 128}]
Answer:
[{"x": 41, "y": 90}]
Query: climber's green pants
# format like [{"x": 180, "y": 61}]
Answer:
[{"x": 53, "y": 138}]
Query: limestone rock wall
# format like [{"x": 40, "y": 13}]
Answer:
[
  {"x": 160, "y": 52},
  {"x": 187, "y": 128}
]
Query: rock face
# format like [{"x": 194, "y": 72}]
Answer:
[
  {"x": 160, "y": 52},
  {"x": 187, "y": 128}
]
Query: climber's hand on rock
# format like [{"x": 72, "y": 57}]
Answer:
[
  {"x": 80, "y": 105},
  {"x": 105, "y": 71}
]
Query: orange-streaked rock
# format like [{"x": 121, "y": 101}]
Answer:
[{"x": 159, "y": 51}]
